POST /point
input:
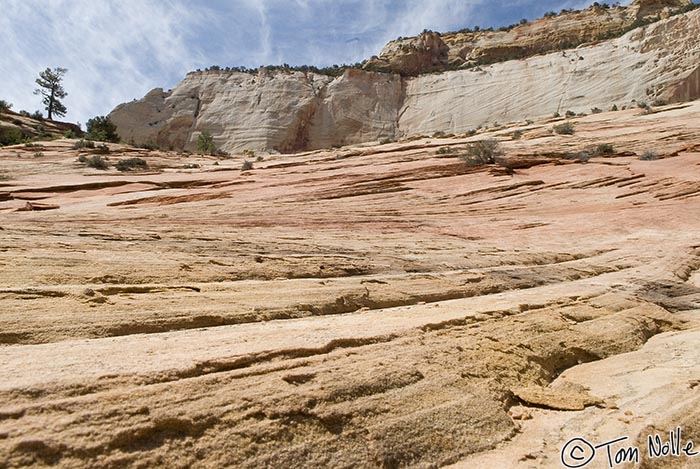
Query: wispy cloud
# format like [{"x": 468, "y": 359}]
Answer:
[{"x": 117, "y": 50}]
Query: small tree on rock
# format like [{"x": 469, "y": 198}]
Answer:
[
  {"x": 51, "y": 89},
  {"x": 205, "y": 143}
]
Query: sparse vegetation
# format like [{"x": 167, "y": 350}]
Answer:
[
  {"x": 102, "y": 149},
  {"x": 246, "y": 166},
  {"x": 567, "y": 128},
  {"x": 649, "y": 155},
  {"x": 95, "y": 161},
  {"x": 130, "y": 164},
  {"x": 570, "y": 113},
  {"x": 205, "y": 143},
  {"x": 445, "y": 151},
  {"x": 517, "y": 135},
  {"x": 83, "y": 144},
  {"x": 69, "y": 134},
  {"x": 102, "y": 129},
  {"x": 603, "y": 149},
  {"x": 195, "y": 165},
  {"x": 5, "y": 106},
  {"x": 38, "y": 154},
  {"x": 643, "y": 105},
  {"x": 385, "y": 141},
  {"x": 482, "y": 152},
  {"x": 33, "y": 145},
  {"x": 596, "y": 110},
  {"x": 10, "y": 136}
]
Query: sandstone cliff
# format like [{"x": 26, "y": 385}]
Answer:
[
  {"x": 432, "y": 51},
  {"x": 288, "y": 111}
]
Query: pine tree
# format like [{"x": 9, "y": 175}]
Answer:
[{"x": 51, "y": 89}]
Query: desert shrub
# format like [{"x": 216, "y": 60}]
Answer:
[
  {"x": 439, "y": 134},
  {"x": 596, "y": 110},
  {"x": 570, "y": 113},
  {"x": 102, "y": 149},
  {"x": 643, "y": 105},
  {"x": 517, "y": 135},
  {"x": 37, "y": 115},
  {"x": 24, "y": 113},
  {"x": 247, "y": 165},
  {"x": 148, "y": 146},
  {"x": 69, "y": 134},
  {"x": 10, "y": 136},
  {"x": 582, "y": 156},
  {"x": 482, "y": 152},
  {"x": 556, "y": 114},
  {"x": 194, "y": 165},
  {"x": 83, "y": 144},
  {"x": 614, "y": 107},
  {"x": 129, "y": 164},
  {"x": 445, "y": 151},
  {"x": 260, "y": 158},
  {"x": 470, "y": 133},
  {"x": 96, "y": 162},
  {"x": 386, "y": 141},
  {"x": 566, "y": 128},
  {"x": 649, "y": 155},
  {"x": 38, "y": 154},
  {"x": 205, "y": 143},
  {"x": 102, "y": 129},
  {"x": 33, "y": 145},
  {"x": 603, "y": 149},
  {"x": 5, "y": 106}
]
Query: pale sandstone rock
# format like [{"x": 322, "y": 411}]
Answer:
[{"x": 290, "y": 111}]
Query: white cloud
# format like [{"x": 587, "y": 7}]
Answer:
[
  {"x": 117, "y": 50},
  {"x": 113, "y": 50}
]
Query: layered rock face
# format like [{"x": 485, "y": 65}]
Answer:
[
  {"x": 276, "y": 111},
  {"x": 287, "y": 111},
  {"x": 466, "y": 48}
]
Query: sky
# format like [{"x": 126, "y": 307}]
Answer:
[{"x": 118, "y": 50}]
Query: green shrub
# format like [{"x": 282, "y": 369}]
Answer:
[
  {"x": 614, "y": 107},
  {"x": 96, "y": 162},
  {"x": 482, "y": 152},
  {"x": 603, "y": 149},
  {"x": 38, "y": 154},
  {"x": 83, "y": 144},
  {"x": 445, "y": 151},
  {"x": 205, "y": 143},
  {"x": 5, "y": 106},
  {"x": 247, "y": 165},
  {"x": 102, "y": 129},
  {"x": 643, "y": 105},
  {"x": 517, "y": 135},
  {"x": 10, "y": 136},
  {"x": 102, "y": 149},
  {"x": 596, "y": 110},
  {"x": 130, "y": 164},
  {"x": 570, "y": 114},
  {"x": 69, "y": 134},
  {"x": 567, "y": 128}
]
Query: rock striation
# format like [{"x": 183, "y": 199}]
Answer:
[{"x": 286, "y": 111}]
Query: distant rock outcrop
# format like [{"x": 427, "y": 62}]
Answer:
[{"x": 289, "y": 111}]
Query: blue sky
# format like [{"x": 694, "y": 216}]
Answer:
[{"x": 118, "y": 50}]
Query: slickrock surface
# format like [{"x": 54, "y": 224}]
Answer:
[
  {"x": 368, "y": 306},
  {"x": 285, "y": 111}
]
